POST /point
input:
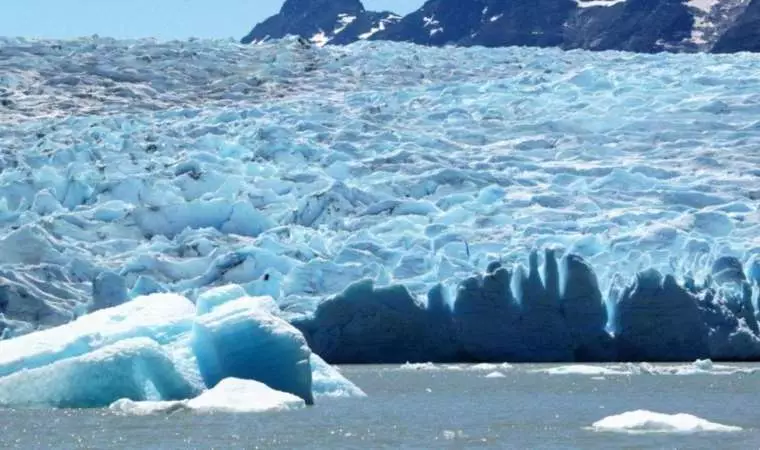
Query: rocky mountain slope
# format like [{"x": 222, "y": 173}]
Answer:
[{"x": 647, "y": 26}]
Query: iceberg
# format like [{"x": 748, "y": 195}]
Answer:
[
  {"x": 231, "y": 395},
  {"x": 642, "y": 421},
  {"x": 159, "y": 352}
]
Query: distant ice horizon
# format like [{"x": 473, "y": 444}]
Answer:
[{"x": 168, "y": 19}]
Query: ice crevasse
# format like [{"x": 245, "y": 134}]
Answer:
[{"x": 159, "y": 353}]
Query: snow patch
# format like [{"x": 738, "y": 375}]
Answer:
[{"x": 597, "y": 3}]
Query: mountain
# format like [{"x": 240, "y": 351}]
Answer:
[
  {"x": 322, "y": 22},
  {"x": 744, "y": 34},
  {"x": 647, "y": 26}
]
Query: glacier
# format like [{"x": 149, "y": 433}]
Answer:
[{"x": 382, "y": 202}]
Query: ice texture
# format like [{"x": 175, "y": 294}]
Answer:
[
  {"x": 642, "y": 421},
  {"x": 161, "y": 317},
  {"x": 383, "y": 193}
]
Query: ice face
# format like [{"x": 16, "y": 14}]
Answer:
[
  {"x": 552, "y": 311},
  {"x": 240, "y": 339}
]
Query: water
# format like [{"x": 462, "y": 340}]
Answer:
[{"x": 428, "y": 409}]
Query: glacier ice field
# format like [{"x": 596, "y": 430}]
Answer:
[{"x": 162, "y": 202}]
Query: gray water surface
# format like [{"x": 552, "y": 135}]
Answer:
[{"x": 427, "y": 409}]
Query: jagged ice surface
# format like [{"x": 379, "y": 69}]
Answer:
[{"x": 294, "y": 172}]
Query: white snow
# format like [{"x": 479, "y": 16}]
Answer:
[
  {"x": 430, "y": 21},
  {"x": 642, "y": 421},
  {"x": 344, "y": 20},
  {"x": 703, "y": 5}
]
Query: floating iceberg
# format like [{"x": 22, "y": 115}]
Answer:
[
  {"x": 641, "y": 421},
  {"x": 159, "y": 352},
  {"x": 231, "y": 395}
]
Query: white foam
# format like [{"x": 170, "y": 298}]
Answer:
[{"x": 642, "y": 421}]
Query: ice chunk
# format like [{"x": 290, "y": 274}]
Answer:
[
  {"x": 495, "y": 375},
  {"x": 137, "y": 369},
  {"x": 240, "y": 339},
  {"x": 231, "y": 395},
  {"x": 427, "y": 366},
  {"x": 327, "y": 381},
  {"x": 580, "y": 369},
  {"x": 642, "y": 421},
  {"x": 244, "y": 396},
  {"x": 145, "y": 286},
  {"x": 727, "y": 269}
]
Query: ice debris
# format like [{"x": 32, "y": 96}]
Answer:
[{"x": 642, "y": 421}]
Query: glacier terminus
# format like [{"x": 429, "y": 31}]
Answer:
[{"x": 189, "y": 223}]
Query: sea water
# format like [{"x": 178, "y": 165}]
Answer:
[{"x": 442, "y": 406}]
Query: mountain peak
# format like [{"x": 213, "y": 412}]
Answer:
[{"x": 322, "y": 22}]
